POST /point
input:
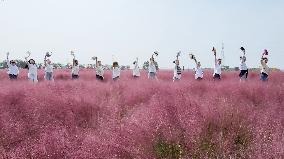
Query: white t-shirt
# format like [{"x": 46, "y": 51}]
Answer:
[
  {"x": 264, "y": 68},
  {"x": 217, "y": 69},
  {"x": 100, "y": 71},
  {"x": 152, "y": 67},
  {"x": 177, "y": 71},
  {"x": 198, "y": 73},
  {"x": 136, "y": 71},
  {"x": 115, "y": 72},
  {"x": 75, "y": 70},
  {"x": 32, "y": 69},
  {"x": 243, "y": 65},
  {"x": 14, "y": 70},
  {"x": 49, "y": 68}
]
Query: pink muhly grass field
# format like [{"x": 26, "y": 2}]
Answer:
[{"x": 141, "y": 118}]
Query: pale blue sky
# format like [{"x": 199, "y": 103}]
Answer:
[{"x": 131, "y": 28}]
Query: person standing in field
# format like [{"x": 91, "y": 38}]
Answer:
[
  {"x": 198, "y": 69},
  {"x": 243, "y": 66},
  {"x": 264, "y": 68},
  {"x": 48, "y": 68},
  {"x": 32, "y": 69},
  {"x": 217, "y": 67},
  {"x": 13, "y": 69},
  {"x": 115, "y": 71},
  {"x": 152, "y": 69},
  {"x": 136, "y": 70},
  {"x": 177, "y": 69},
  {"x": 75, "y": 67},
  {"x": 99, "y": 69}
]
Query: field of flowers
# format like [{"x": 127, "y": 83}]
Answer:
[{"x": 142, "y": 119}]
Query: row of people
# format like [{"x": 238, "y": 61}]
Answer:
[
  {"x": 218, "y": 67},
  {"x": 13, "y": 70}
]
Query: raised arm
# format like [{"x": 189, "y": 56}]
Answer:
[
  {"x": 215, "y": 58},
  {"x": 73, "y": 61},
  {"x": 96, "y": 59},
  {"x": 8, "y": 61},
  {"x": 45, "y": 61}
]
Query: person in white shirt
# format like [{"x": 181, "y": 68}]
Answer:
[
  {"x": 152, "y": 69},
  {"x": 198, "y": 70},
  {"x": 243, "y": 66},
  {"x": 99, "y": 70},
  {"x": 217, "y": 67},
  {"x": 13, "y": 69},
  {"x": 32, "y": 67},
  {"x": 75, "y": 69},
  {"x": 115, "y": 71},
  {"x": 264, "y": 68},
  {"x": 48, "y": 69},
  {"x": 136, "y": 70},
  {"x": 177, "y": 71}
]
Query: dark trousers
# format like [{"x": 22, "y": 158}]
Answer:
[
  {"x": 13, "y": 77},
  {"x": 74, "y": 77},
  {"x": 217, "y": 76},
  {"x": 243, "y": 73},
  {"x": 264, "y": 76},
  {"x": 100, "y": 78}
]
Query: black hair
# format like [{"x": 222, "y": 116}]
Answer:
[
  {"x": 30, "y": 61},
  {"x": 114, "y": 64}
]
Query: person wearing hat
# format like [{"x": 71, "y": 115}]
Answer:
[
  {"x": 217, "y": 67},
  {"x": 13, "y": 69},
  {"x": 264, "y": 69},
  {"x": 48, "y": 68},
  {"x": 136, "y": 70},
  {"x": 243, "y": 66}
]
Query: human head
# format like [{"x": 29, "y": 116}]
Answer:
[
  {"x": 198, "y": 64},
  {"x": 176, "y": 62},
  {"x": 48, "y": 61},
  {"x": 265, "y": 59},
  {"x": 115, "y": 64},
  {"x": 219, "y": 61},
  {"x": 243, "y": 58},
  {"x": 12, "y": 62},
  {"x": 152, "y": 59},
  {"x": 76, "y": 62},
  {"x": 31, "y": 61},
  {"x": 99, "y": 63}
]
